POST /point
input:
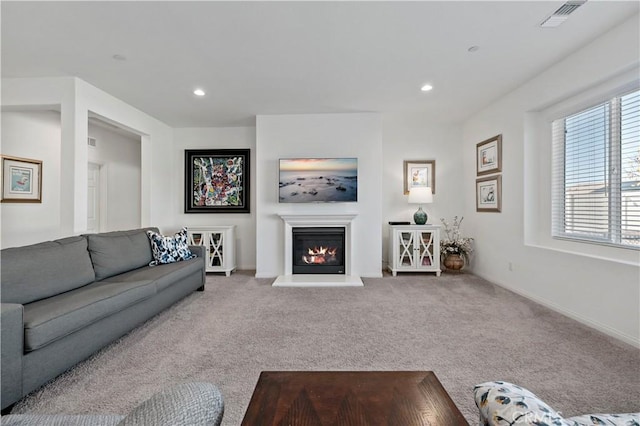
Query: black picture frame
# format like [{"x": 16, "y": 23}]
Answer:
[{"x": 217, "y": 180}]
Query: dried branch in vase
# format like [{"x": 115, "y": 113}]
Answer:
[{"x": 454, "y": 243}]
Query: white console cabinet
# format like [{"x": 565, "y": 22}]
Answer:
[
  {"x": 414, "y": 248},
  {"x": 219, "y": 244}
]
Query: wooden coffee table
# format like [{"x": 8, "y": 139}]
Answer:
[{"x": 356, "y": 398}]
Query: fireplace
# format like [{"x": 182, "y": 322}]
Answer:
[
  {"x": 323, "y": 222},
  {"x": 318, "y": 250}
]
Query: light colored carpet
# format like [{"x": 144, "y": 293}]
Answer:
[{"x": 460, "y": 326}]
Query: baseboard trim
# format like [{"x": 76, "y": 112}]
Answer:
[
  {"x": 257, "y": 275},
  {"x": 609, "y": 331}
]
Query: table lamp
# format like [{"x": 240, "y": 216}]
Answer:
[{"x": 421, "y": 195}]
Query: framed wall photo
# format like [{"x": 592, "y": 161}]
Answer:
[
  {"x": 21, "y": 180},
  {"x": 489, "y": 194},
  {"x": 418, "y": 174},
  {"x": 216, "y": 180},
  {"x": 489, "y": 156}
]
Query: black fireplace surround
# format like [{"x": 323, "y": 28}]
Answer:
[{"x": 318, "y": 250}]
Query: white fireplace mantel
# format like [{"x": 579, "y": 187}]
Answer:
[
  {"x": 317, "y": 219},
  {"x": 313, "y": 220}
]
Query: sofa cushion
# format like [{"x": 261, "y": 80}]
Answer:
[
  {"x": 506, "y": 403},
  {"x": 162, "y": 275},
  {"x": 58, "y": 316},
  {"x": 115, "y": 252},
  {"x": 169, "y": 249},
  {"x": 38, "y": 271},
  {"x": 503, "y": 403},
  {"x": 625, "y": 419}
]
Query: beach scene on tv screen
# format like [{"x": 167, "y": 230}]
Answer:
[{"x": 309, "y": 180}]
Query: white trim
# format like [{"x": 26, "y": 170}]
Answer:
[
  {"x": 104, "y": 197},
  {"x": 318, "y": 280},
  {"x": 103, "y": 176},
  {"x": 318, "y": 219},
  {"x": 632, "y": 340},
  {"x": 537, "y": 168},
  {"x": 309, "y": 220},
  {"x": 590, "y": 255},
  {"x": 257, "y": 275}
]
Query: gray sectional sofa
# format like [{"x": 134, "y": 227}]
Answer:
[{"x": 63, "y": 300}]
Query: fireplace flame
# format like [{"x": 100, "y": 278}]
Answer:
[{"x": 319, "y": 255}]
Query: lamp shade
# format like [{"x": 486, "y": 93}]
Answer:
[{"x": 420, "y": 195}]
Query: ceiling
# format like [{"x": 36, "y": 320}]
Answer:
[{"x": 297, "y": 57}]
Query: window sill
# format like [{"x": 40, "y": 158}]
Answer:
[{"x": 631, "y": 257}]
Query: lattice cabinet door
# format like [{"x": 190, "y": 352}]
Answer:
[
  {"x": 195, "y": 238},
  {"x": 219, "y": 244},
  {"x": 215, "y": 249},
  {"x": 405, "y": 250},
  {"x": 414, "y": 248},
  {"x": 425, "y": 249}
]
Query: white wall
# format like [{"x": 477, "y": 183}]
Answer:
[
  {"x": 319, "y": 135},
  {"x": 599, "y": 285},
  {"x": 218, "y": 138},
  {"x": 119, "y": 157},
  {"x": 76, "y": 99},
  {"x": 415, "y": 137},
  {"x": 157, "y": 186},
  {"x": 404, "y": 137},
  {"x": 57, "y": 94},
  {"x": 35, "y": 135}
]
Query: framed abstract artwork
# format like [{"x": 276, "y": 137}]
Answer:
[
  {"x": 216, "y": 180},
  {"x": 21, "y": 180},
  {"x": 489, "y": 194},
  {"x": 489, "y": 156},
  {"x": 419, "y": 174}
]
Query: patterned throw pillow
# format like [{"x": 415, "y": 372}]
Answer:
[
  {"x": 169, "y": 249},
  {"x": 503, "y": 403}
]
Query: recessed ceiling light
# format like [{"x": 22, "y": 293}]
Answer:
[
  {"x": 199, "y": 92},
  {"x": 426, "y": 87}
]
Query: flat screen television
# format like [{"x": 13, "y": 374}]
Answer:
[{"x": 318, "y": 180}]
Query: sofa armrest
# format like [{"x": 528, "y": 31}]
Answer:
[
  {"x": 201, "y": 252},
  {"x": 198, "y": 250},
  {"x": 11, "y": 350},
  {"x": 502, "y": 403},
  {"x": 184, "y": 404}
]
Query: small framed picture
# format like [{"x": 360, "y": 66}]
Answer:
[
  {"x": 489, "y": 156},
  {"x": 489, "y": 194},
  {"x": 419, "y": 174},
  {"x": 216, "y": 181},
  {"x": 21, "y": 180}
]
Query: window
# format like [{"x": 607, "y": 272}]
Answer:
[{"x": 596, "y": 173}]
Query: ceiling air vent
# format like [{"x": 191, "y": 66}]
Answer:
[
  {"x": 91, "y": 141},
  {"x": 562, "y": 14}
]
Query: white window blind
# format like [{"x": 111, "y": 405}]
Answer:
[{"x": 596, "y": 173}]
